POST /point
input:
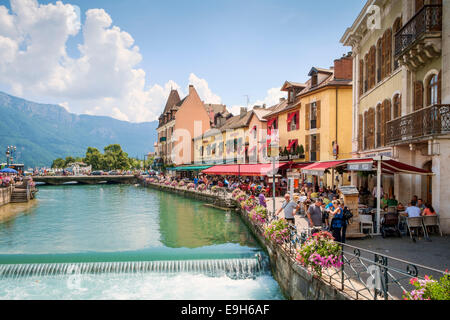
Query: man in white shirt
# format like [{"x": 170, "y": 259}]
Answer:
[{"x": 413, "y": 211}]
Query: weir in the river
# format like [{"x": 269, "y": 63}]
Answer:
[{"x": 232, "y": 268}]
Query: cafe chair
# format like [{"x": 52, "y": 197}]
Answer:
[
  {"x": 415, "y": 222},
  {"x": 366, "y": 223},
  {"x": 432, "y": 221}
]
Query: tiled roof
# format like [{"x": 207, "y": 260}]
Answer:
[{"x": 173, "y": 99}]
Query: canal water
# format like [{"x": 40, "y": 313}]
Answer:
[{"x": 126, "y": 242}]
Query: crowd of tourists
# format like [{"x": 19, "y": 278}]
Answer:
[{"x": 9, "y": 179}]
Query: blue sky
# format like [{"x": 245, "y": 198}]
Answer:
[{"x": 240, "y": 48}]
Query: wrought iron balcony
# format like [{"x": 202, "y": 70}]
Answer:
[
  {"x": 423, "y": 123},
  {"x": 419, "y": 40}
]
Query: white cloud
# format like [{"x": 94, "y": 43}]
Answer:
[{"x": 103, "y": 80}]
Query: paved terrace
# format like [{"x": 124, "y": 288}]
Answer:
[{"x": 434, "y": 253}]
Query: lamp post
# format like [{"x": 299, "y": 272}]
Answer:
[{"x": 9, "y": 154}]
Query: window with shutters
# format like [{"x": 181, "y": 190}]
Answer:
[
  {"x": 307, "y": 116},
  {"x": 379, "y": 60},
  {"x": 418, "y": 95},
  {"x": 386, "y": 115},
  {"x": 366, "y": 74},
  {"x": 307, "y": 150},
  {"x": 371, "y": 125},
  {"x": 360, "y": 132},
  {"x": 378, "y": 126},
  {"x": 361, "y": 77},
  {"x": 388, "y": 52},
  {"x": 439, "y": 93},
  {"x": 366, "y": 130},
  {"x": 313, "y": 115},
  {"x": 432, "y": 90},
  {"x": 315, "y": 148},
  {"x": 372, "y": 62},
  {"x": 397, "y": 108},
  {"x": 398, "y": 24}
]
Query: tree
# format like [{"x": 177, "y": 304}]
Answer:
[
  {"x": 58, "y": 163},
  {"x": 116, "y": 158},
  {"x": 68, "y": 161},
  {"x": 93, "y": 158}
]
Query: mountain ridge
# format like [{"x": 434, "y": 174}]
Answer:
[{"x": 44, "y": 132}]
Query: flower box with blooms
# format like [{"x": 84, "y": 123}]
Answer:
[
  {"x": 429, "y": 289},
  {"x": 202, "y": 187},
  {"x": 236, "y": 192},
  {"x": 241, "y": 197},
  {"x": 319, "y": 252},
  {"x": 259, "y": 215},
  {"x": 174, "y": 184},
  {"x": 167, "y": 183},
  {"x": 190, "y": 186},
  {"x": 181, "y": 183},
  {"x": 277, "y": 231},
  {"x": 215, "y": 189},
  {"x": 249, "y": 204}
]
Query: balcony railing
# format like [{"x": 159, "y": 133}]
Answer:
[
  {"x": 434, "y": 120},
  {"x": 427, "y": 20}
]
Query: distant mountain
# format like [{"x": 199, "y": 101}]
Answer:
[{"x": 43, "y": 132}]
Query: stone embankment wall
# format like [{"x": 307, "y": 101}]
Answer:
[
  {"x": 294, "y": 280},
  {"x": 5, "y": 195}
]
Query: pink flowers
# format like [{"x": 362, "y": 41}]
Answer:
[
  {"x": 320, "y": 252},
  {"x": 278, "y": 231}
]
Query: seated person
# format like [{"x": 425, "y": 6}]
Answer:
[
  {"x": 392, "y": 202},
  {"x": 413, "y": 210},
  {"x": 429, "y": 210},
  {"x": 384, "y": 201}
]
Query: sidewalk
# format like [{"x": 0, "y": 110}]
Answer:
[{"x": 434, "y": 254}]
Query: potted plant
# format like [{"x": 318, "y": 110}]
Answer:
[
  {"x": 429, "y": 289},
  {"x": 319, "y": 252},
  {"x": 259, "y": 215},
  {"x": 277, "y": 231}
]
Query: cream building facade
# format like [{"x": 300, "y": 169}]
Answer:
[{"x": 401, "y": 94}]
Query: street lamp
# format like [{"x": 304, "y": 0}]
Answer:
[{"x": 9, "y": 154}]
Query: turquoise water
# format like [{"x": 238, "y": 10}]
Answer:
[{"x": 113, "y": 223}]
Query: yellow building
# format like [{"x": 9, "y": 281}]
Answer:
[
  {"x": 317, "y": 115},
  {"x": 238, "y": 140}
]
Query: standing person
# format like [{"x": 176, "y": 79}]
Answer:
[
  {"x": 262, "y": 198},
  {"x": 288, "y": 207},
  {"x": 314, "y": 215},
  {"x": 337, "y": 221}
]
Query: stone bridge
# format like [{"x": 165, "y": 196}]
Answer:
[{"x": 58, "y": 180}]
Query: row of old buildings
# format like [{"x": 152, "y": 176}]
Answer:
[{"x": 389, "y": 97}]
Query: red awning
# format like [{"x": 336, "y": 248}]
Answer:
[
  {"x": 391, "y": 166},
  {"x": 300, "y": 165},
  {"x": 291, "y": 116},
  {"x": 399, "y": 167},
  {"x": 321, "y": 167},
  {"x": 258, "y": 170}
]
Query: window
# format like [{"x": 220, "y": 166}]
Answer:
[
  {"x": 387, "y": 46},
  {"x": 293, "y": 121},
  {"x": 313, "y": 115},
  {"x": 397, "y": 26},
  {"x": 378, "y": 126},
  {"x": 418, "y": 95},
  {"x": 291, "y": 96},
  {"x": 432, "y": 91},
  {"x": 379, "y": 60},
  {"x": 397, "y": 106},
  {"x": 314, "y": 80},
  {"x": 361, "y": 77}
]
